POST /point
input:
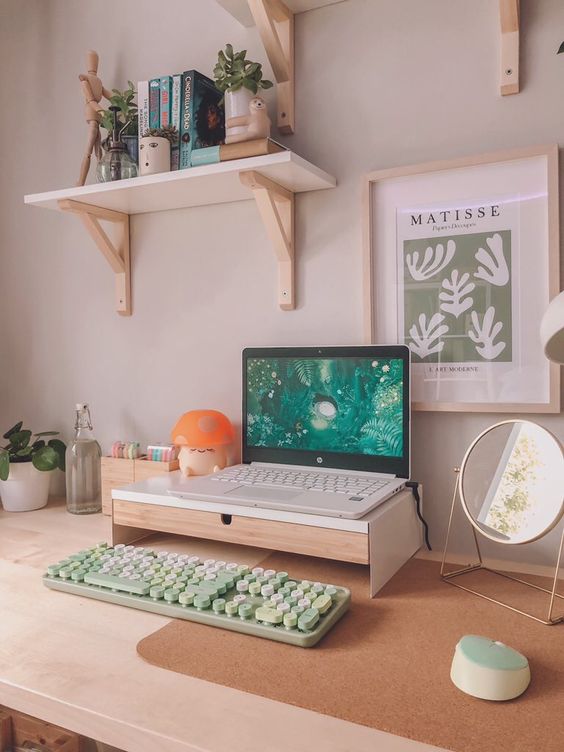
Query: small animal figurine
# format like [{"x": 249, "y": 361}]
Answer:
[
  {"x": 203, "y": 437},
  {"x": 257, "y": 122},
  {"x": 93, "y": 91}
]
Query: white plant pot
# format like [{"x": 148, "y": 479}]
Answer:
[
  {"x": 237, "y": 105},
  {"x": 154, "y": 155},
  {"x": 26, "y": 488}
]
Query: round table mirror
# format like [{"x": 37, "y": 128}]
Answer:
[{"x": 512, "y": 482}]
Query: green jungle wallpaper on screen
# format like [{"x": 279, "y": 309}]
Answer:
[{"x": 351, "y": 405}]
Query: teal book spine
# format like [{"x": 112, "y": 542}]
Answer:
[
  {"x": 165, "y": 97},
  {"x": 207, "y": 155},
  {"x": 154, "y": 102},
  {"x": 186, "y": 119},
  {"x": 175, "y": 118}
]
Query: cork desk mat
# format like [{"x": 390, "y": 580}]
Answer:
[{"x": 386, "y": 664}]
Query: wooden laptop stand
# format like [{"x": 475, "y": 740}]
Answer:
[{"x": 384, "y": 539}]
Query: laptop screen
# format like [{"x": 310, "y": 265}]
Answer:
[{"x": 340, "y": 407}]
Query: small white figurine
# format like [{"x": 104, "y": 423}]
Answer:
[{"x": 257, "y": 123}]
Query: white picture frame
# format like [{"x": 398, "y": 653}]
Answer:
[{"x": 461, "y": 258}]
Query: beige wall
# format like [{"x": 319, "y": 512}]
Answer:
[{"x": 380, "y": 83}]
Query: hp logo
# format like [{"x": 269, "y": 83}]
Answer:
[{"x": 319, "y": 460}]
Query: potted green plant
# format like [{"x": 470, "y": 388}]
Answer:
[
  {"x": 239, "y": 80},
  {"x": 154, "y": 149},
  {"x": 25, "y": 463},
  {"x": 127, "y": 115}
]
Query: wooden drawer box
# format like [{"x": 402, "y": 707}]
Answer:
[
  {"x": 17, "y": 728},
  {"x": 231, "y": 528},
  {"x": 118, "y": 472}
]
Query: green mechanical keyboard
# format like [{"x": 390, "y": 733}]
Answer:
[{"x": 257, "y": 601}]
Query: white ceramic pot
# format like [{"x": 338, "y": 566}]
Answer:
[
  {"x": 154, "y": 155},
  {"x": 237, "y": 105},
  {"x": 26, "y": 488}
]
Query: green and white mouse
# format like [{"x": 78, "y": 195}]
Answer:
[{"x": 488, "y": 669}]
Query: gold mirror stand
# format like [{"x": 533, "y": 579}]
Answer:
[{"x": 450, "y": 576}]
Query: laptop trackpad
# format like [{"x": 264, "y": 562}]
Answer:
[{"x": 264, "y": 494}]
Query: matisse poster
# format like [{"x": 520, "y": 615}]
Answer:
[{"x": 456, "y": 279}]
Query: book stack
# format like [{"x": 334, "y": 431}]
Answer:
[{"x": 188, "y": 101}]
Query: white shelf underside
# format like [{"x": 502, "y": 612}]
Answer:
[{"x": 239, "y": 9}]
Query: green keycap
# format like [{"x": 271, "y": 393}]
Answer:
[
  {"x": 219, "y": 605},
  {"x": 291, "y": 585},
  {"x": 137, "y": 587},
  {"x": 245, "y": 610},
  {"x": 322, "y": 603},
  {"x": 291, "y": 600},
  {"x": 231, "y": 608},
  {"x": 284, "y": 592},
  {"x": 74, "y": 565},
  {"x": 269, "y": 615},
  {"x": 209, "y": 587},
  {"x": 186, "y": 598},
  {"x": 331, "y": 591},
  {"x": 274, "y": 582},
  {"x": 242, "y": 570},
  {"x": 171, "y": 595},
  {"x": 202, "y": 601},
  {"x": 304, "y": 585},
  {"x": 317, "y": 589},
  {"x": 157, "y": 581},
  {"x": 308, "y": 620},
  {"x": 80, "y": 556},
  {"x": 290, "y": 620},
  {"x": 157, "y": 592},
  {"x": 65, "y": 572},
  {"x": 226, "y": 579},
  {"x": 282, "y": 577},
  {"x": 298, "y": 610},
  {"x": 250, "y": 577},
  {"x": 262, "y": 580},
  {"x": 221, "y": 587},
  {"x": 78, "y": 575},
  {"x": 254, "y": 588},
  {"x": 53, "y": 569}
]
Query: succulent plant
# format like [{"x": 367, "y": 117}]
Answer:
[
  {"x": 233, "y": 72},
  {"x": 169, "y": 132},
  {"x": 44, "y": 456}
]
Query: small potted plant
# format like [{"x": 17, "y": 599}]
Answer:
[
  {"x": 127, "y": 115},
  {"x": 154, "y": 149},
  {"x": 25, "y": 463},
  {"x": 239, "y": 80}
]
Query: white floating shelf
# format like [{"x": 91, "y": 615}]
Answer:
[
  {"x": 198, "y": 186},
  {"x": 239, "y": 9},
  {"x": 272, "y": 181}
]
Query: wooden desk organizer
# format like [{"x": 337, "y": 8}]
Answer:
[
  {"x": 384, "y": 539},
  {"x": 118, "y": 472}
]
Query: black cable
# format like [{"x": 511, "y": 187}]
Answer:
[{"x": 415, "y": 491}]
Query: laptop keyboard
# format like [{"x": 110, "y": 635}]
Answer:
[{"x": 356, "y": 485}]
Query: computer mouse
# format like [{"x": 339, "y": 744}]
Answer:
[{"x": 488, "y": 669}]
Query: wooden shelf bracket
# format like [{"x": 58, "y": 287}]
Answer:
[
  {"x": 276, "y": 208},
  {"x": 509, "y": 20},
  {"x": 117, "y": 255},
  {"x": 275, "y": 24}
]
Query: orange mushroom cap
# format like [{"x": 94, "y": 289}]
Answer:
[{"x": 202, "y": 429}]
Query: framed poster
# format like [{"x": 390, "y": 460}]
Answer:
[{"x": 461, "y": 259}]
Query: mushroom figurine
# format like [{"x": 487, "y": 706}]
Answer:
[{"x": 203, "y": 437}]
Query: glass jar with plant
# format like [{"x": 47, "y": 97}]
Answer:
[
  {"x": 25, "y": 463},
  {"x": 127, "y": 114},
  {"x": 239, "y": 80}
]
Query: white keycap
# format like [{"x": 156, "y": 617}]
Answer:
[
  {"x": 277, "y": 598},
  {"x": 193, "y": 560},
  {"x": 231, "y": 566},
  {"x": 268, "y": 573},
  {"x": 284, "y": 607},
  {"x": 239, "y": 598},
  {"x": 266, "y": 591},
  {"x": 242, "y": 586},
  {"x": 304, "y": 602},
  {"x": 258, "y": 571}
]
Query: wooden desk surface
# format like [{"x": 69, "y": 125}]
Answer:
[{"x": 73, "y": 661}]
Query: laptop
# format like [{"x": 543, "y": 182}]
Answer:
[{"x": 325, "y": 430}]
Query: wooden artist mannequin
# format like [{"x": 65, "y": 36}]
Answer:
[{"x": 93, "y": 91}]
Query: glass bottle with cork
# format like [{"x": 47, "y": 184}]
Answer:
[{"x": 83, "y": 466}]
